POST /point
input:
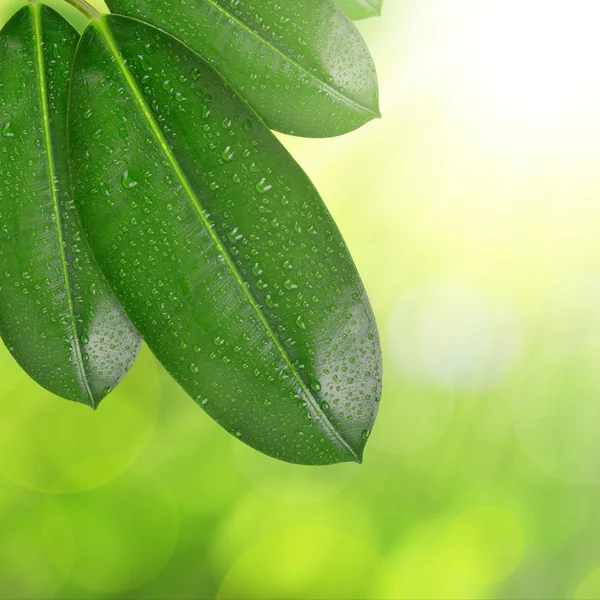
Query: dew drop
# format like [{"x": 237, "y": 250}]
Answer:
[
  {"x": 228, "y": 154},
  {"x": 127, "y": 181},
  {"x": 6, "y": 132},
  {"x": 262, "y": 187}
]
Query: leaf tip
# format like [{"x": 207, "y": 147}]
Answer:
[
  {"x": 357, "y": 456},
  {"x": 93, "y": 404},
  {"x": 93, "y": 399}
]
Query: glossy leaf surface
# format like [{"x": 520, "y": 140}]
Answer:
[
  {"x": 57, "y": 315},
  {"x": 361, "y": 9},
  {"x": 220, "y": 249},
  {"x": 301, "y": 64}
]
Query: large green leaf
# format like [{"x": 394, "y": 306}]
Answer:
[
  {"x": 301, "y": 64},
  {"x": 361, "y": 9},
  {"x": 220, "y": 249},
  {"x": 57, "y": 314}
]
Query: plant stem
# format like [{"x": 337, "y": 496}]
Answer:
[{"x": 82, "y": 6}]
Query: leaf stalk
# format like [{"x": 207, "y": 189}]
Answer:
[{"x": 87, "y": 9}]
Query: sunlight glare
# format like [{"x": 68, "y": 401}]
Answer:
[{"x": 532, "y": 65}]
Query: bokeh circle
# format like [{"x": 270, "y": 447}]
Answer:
[
  {"x": 114, "y": 538},
  {"x": 292, "y": 483},
  {"x": 556, "y": 408},
  {"x": 26, "y": 572},
  {"x": 485, "y": 544},
  {"x": 52, "y": 445},
  {"x": 305, "y": 563}
]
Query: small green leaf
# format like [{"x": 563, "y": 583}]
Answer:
[
  {"x": 57, "y": 315},
  {"x": 301, "y": 64},
  {"x": 361, "y": 9},
  {"x": 220, "y": 249}
]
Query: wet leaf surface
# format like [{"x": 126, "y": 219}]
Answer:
[
  {"x": 220, "y": 248},
  {"x": 57, "y": 315},
  {"x": 301, "y": 64}
]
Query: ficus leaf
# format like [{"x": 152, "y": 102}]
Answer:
[
  {"x": 220, "y": 248},
  {"x": 301, "y": 64},
  {"x": 361, "y": 9},
  {"x": 57, "y": 314}
]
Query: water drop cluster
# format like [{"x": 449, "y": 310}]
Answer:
[
  {"x": 141, "y": 193},
  {"x": 220, "y": 248},
  {"x": 57, "y": 315},
  {"x": 302, "y": 65}
]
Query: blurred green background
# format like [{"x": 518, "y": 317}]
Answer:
[{"x": 473, "y": 212}]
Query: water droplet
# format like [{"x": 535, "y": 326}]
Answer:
[
  {"x": 228, "y": 154},
  {"x": 145, "y": 63},
  {"x": 262, "y": 187},
  {"x": 128, "y": 181},
  {"x": 6, "y": 132},
  {"x": 234, "y": 235},
  {"x": 270, "y": 302}
]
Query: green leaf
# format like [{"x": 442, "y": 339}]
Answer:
[
  {"x": 57, "y": 315},
  {"x": 361, "y": 9},
  {"x": 220, "y": 249},
  {"x": 301, "y": 64}
]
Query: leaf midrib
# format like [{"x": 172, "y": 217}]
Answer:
[
  {"x": 292, "y": 61},
  {"x": 36, "y": 8},
  {"x": 106, "y": 33}
]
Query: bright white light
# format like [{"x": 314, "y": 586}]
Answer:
[{"x": 532, "y": 64}]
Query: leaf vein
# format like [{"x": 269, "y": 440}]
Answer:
[
  {"x": 36, "y": 8},
  {"x": 105, "y": 32},
  {"x": 293, "y": 62}
]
